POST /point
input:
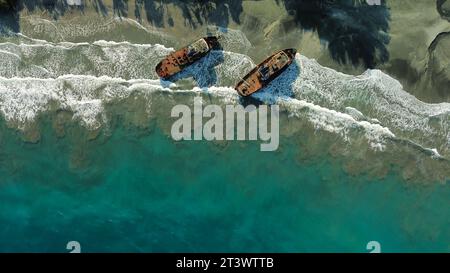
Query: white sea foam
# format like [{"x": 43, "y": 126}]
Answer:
[
  {"x": 87, "y": 28},
  {"x": 23, "y": 99},
  {"x": 334, "y": 102},
  {"x": 114, "y": 59},
  {"x": 435, "y": 153},
  {"x": 374, "y": 94},
  {"x": 231, "y": 39},
  {"x": 355, "y": 113},
  {"x": 330, "y": 120},
  {"x": 99, "y": 58}
]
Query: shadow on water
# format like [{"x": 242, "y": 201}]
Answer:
[
  {"x": 250, "y": 100},
  {"x": 9, "y": 17},
  {"x": 120, "y": 8},
  {"x": 194, "y": 12},
  {"x": 100, "y": 8},
  {"x": 280, "y": 87},
  {"x": 354, "y": 31},
  {"x": 202, "y": 71},
  {"x": 443, "y": 7},
  {"x": 10, "y": 11}
]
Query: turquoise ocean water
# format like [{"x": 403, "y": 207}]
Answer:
[
  {"x": 86, "y": 153},
  {"x": 140, "y": 191}
]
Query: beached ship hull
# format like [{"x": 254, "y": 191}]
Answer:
[
  {"x": 178, "y": 60},
  {"x": 265, "y": 72}
]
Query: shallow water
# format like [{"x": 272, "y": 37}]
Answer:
[{"x": 140, "y": 191}]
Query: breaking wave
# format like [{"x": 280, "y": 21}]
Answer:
[{"x": 37, "y": 77}]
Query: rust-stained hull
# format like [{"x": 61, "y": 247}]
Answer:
[
  {"x": 178, "y": 60},
  {"x": 265, "y": 72}
]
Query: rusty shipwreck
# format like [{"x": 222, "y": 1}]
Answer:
[
  {"x": 180, "y": 59},
  {"x": 265, "y": 72}
]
